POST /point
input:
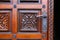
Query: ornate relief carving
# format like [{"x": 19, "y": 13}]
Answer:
[
  {"x": 50, "y": 19},
  {"x": 4, "y": 19},
  {"x": 29, "y": 22}
]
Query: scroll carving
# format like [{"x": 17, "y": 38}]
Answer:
[{"x": 4, "y": 21}]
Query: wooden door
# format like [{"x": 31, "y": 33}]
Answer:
[{"x": 26, "y": 19}]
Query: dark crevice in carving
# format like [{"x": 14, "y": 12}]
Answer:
[
  {"x": 29, "y": 1},
  {"x": 4, "y": 0}
]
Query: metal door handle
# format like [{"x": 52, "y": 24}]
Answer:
[
  {"x": 41, "y": 16},
  {"x": 44, "y": 22}
]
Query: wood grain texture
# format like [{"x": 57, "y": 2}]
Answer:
[
  {"x": 5, "y": 36},
  {"x": 29, "y": 36},
  {"x": 29, "y": 6},
  {"x": 5, "y": 6}
]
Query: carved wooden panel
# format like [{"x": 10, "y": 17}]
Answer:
[
  {"x": 23, "y": 23},
  {"x": 4, "y": 21},
  {"x": 28, "y": 21}
]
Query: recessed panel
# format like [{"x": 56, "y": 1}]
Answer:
[
  {"x": 4, "y": 21},
  {"x": 28, "y": 21}
]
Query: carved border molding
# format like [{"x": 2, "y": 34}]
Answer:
[{"x": 50, "y": 32}]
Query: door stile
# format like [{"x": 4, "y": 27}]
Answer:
[{"x": 14, "y": 20}]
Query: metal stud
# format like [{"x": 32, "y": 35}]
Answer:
[
  {"x": 14, "y": 5},
  {"x": 43, "y": 6},
  {"x": 14, "y": 35}
]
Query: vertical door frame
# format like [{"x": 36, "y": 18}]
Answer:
[{"x": 50, "y": 19}]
